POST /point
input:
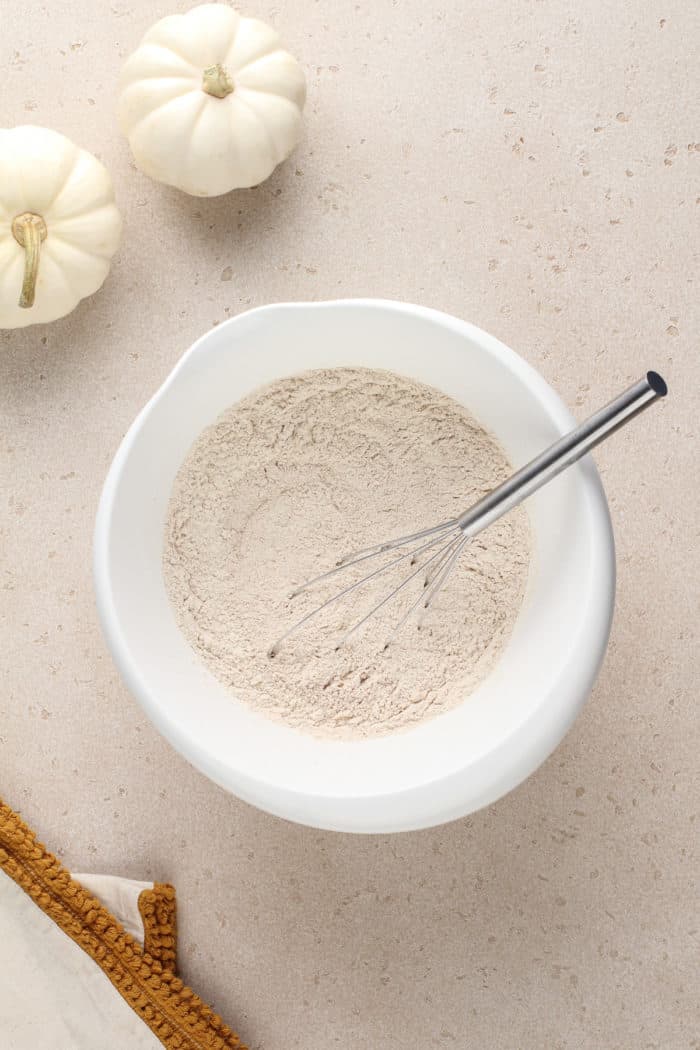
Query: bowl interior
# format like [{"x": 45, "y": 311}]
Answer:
[{"x": 441, "y": 767}]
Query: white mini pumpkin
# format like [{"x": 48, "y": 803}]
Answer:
[
  {"x": 59, "y": 225},
  {"x": 210, "y": 102}
]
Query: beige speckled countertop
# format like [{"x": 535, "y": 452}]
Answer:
[{"x": 534, "y": 167}]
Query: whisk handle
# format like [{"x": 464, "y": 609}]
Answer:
[{"x": 560, "y": 455}]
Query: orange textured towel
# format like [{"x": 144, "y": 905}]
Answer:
[{"x": 64, "y": 957}]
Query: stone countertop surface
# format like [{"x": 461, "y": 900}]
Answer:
[{"x": 535, "y": 168}]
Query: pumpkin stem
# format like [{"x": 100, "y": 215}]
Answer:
[
  {"x": 29, "y": 230},
  {"x": 216, "y": 81}
]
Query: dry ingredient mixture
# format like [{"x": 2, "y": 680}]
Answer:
[{"x": 300, "y": 473}]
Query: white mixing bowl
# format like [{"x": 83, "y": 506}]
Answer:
[{"x": 445, "y": 767}]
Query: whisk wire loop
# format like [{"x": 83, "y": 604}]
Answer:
[{"x": 412, "y": 553}]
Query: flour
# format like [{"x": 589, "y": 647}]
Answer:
[{"x": 298, "y": 474}]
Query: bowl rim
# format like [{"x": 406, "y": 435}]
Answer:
[{"x": 360, "y": 813}]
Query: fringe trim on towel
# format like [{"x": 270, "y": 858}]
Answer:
[
  {"x": 173, "y": 1012},
  {"x": 157, "y": 909}
]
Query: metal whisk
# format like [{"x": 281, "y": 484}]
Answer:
[{"x": 436, "y": 550}]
